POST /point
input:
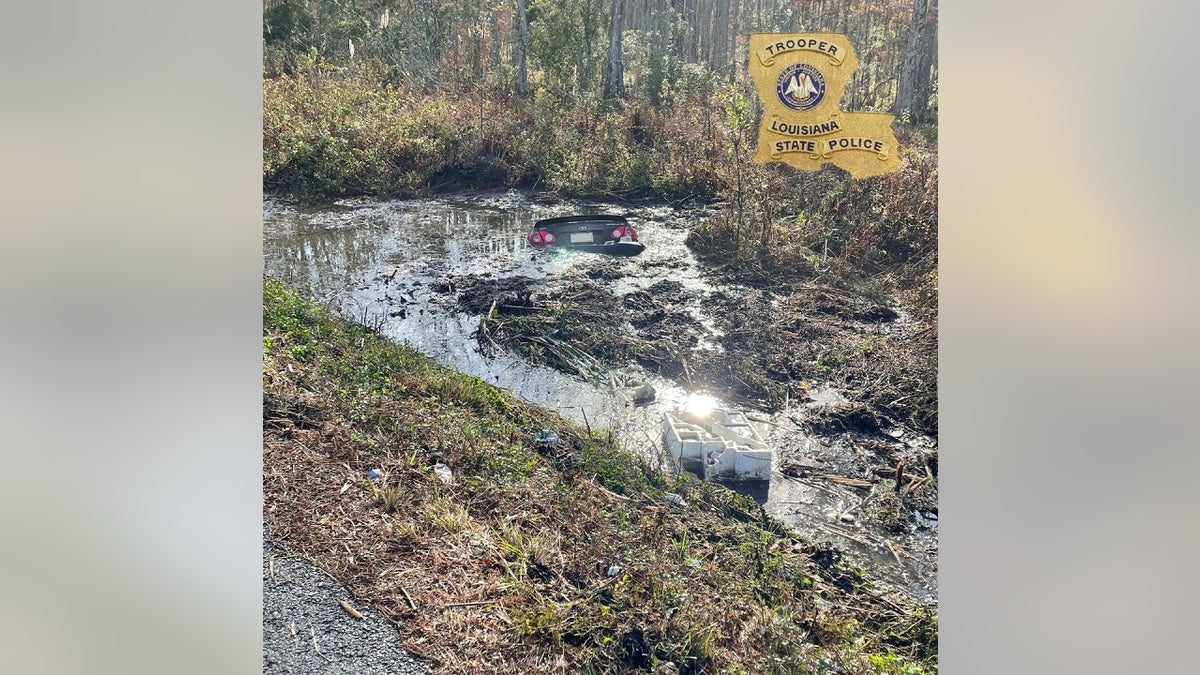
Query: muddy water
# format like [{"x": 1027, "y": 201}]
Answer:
[{"x": 394, "y": 265}]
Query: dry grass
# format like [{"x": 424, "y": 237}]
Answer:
[{"x": 505, "y": 569}]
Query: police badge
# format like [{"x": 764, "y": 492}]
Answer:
[{"x": 800, "y": 78}]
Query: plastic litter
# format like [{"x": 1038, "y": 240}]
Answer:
[
  {"x": 546, "y": 437},
  {"x": 672, "y": 498},
  {"x": 443, "y": 473},
  {"x": 374, "y": 474},
  {"x": 613, "y": 570}
]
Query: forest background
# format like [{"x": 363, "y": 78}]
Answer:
[{"x": 645, "y": 100}]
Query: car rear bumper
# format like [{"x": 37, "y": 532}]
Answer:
[{"x": 623, "y": 249}]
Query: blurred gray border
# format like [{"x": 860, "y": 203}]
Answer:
[
  {"x": 1068, "y": 333},
  {"x": 130, "y": 494},
  {"x": 130, "y": 183}
]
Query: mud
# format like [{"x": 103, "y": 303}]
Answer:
[
  {"x": 529, "y": 316},
  {"x": 763, "y": 350}
]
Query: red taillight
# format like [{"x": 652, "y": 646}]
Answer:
[
  {"x": 541, "y": 238},
  {"x": 624, "y": 231}
]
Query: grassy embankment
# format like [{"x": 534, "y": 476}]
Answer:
[
  {"x": 506, "y": 569},
  {"x": 330, "y": 131}
]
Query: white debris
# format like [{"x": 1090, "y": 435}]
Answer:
[
  {"x": 929, "y": 520},
  {"x": 443, "y": 473},
  {"x": 719, "y": 444}
]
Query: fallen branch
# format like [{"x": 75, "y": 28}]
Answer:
[
  {"x": 350, "y": 610},
  {"x": 408, "y": 597},
  {"x": 315, "y": 647},
  {"x": 610, "y": 493},
  {"x": 856, "y": 506},
  {"x": 470, "y": 604},
  {"x": 844, "y": 480},
  {"x": 891, "y": 549},
  {"x": 916, "y": 484},
  {"x": 840, "y": 531}
]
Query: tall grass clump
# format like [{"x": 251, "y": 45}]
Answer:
[
  {"x": 332, "y": 131},
  {"x": 876, "y": 235}
]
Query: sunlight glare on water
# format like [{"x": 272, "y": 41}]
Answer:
[{"x": 699, "y": 405}]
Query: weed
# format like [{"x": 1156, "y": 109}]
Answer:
[
  {"x": 887, "y": 508},
  {"x": 329, "y": 135},
  {"x": 446, "y": 515},
  {"x": 512, "y": 541},
  {"x": 391, "y": 498},
  {"x": 679, "y": 544},
  {"x": 406, "y": 534},
  {"x": 830, "y": 362},
  {"x": 893, "y": 664}
]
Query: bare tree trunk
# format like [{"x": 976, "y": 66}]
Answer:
[
  {"x": 697, "y": 37},
  {"x": 495, "y": 45},
  {"x": 589, "y": 35},
  {"x": 912, "y": 91},
  {"x": 475, "y": 38},
  {"x": 729, "y": 37},
  {"x": 522, "y": 48},
  {"x": 614, "y": 71}
]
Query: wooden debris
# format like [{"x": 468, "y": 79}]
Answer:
[
  {"x": 610, "y": 493},
  {"x": 797, "y": 469},
  {"x": 470, "y": 604},
  {"x": 350, "y": 610},
  {"x": 844, "y": 533},
  {"x": 915, "y": 484},
  {"x": 315, "y": 647},
  {"x": 891, "y": 549},
  {"x": 408, "y": 597},
  {"x": 846, "y": 480}
]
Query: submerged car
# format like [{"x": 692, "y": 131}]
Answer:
[{"x": 609, "y": 235}]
